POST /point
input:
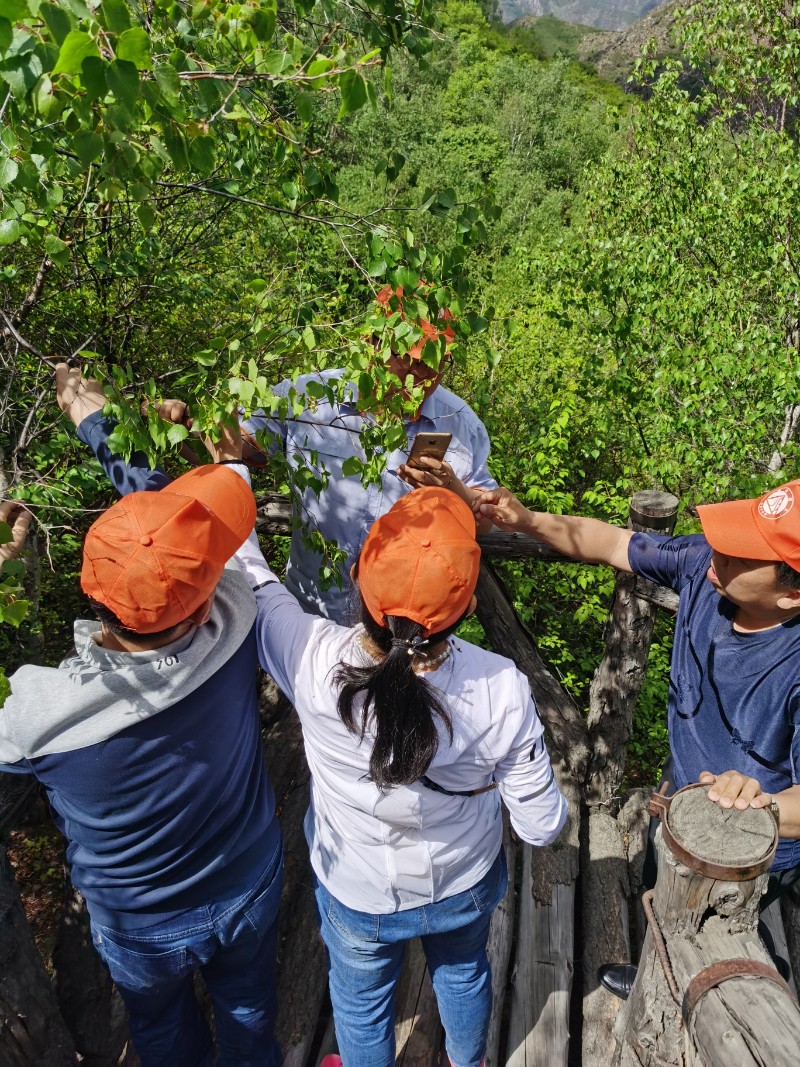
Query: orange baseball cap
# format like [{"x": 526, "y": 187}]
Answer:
[
  {"x": 154, "y": 558},
  {"x": 766, "y": 528},
  {"x": 429, "y": 332},
  {"x": 421, "y": 560}
]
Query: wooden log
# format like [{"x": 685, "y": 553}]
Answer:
[
  {"x": 634, "y": 821},
  {"x": 618, "y": 679},
  {"x": 605, "y": 893},
  {"x": 31, "y": 1028},
  {"x": 501, "y": 936},
  {"x": 302, "y": 972},
  {"x": 703, "y": 917},
  {"x": 538, "y": 1028},
  {"x": 418, "y": 1031},
  {"x": 508, "y": 636},
  {"x": 790, "y": 913},
  {"x": 772, "y": 919}
]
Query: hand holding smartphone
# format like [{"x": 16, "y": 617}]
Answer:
[{"x": 431, "y": 445}]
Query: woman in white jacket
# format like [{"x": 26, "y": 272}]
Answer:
[{"x": 412, "y": 737}]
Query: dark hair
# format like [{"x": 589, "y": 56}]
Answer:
[
  {"x": 107, "y": 617},
  {"x": 787, "y": 576},
  {"x": 402, "y": 704}
]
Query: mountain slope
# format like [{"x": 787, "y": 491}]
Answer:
[{"x": 602, "y": 14}]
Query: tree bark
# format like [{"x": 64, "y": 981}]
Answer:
[
  {"x": 705, "y": 917},
  {"x": 32, "y": 1031}
]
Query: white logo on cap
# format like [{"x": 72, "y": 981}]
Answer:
[{"x": 776, "y": 504}]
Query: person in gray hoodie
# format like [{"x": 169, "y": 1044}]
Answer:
[{"x": 147, "y": 741}]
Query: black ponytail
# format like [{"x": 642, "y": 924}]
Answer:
[{"x": 402, "y": 704}]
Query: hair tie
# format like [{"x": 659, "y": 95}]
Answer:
[{"x": 419, "y": 646}]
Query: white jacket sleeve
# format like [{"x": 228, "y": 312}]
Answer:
[{"x": 525, "y": 779}]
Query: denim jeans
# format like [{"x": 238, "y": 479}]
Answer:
[
  {"x": 365, "y": 958},
  {"x": 233, "y": 942}
]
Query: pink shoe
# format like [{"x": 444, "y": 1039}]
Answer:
[{"x": 331, "y": 1060}]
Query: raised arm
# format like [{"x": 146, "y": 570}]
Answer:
[
  {"x": 588, "y": 540},
  {"x": 82, "y": 400}
]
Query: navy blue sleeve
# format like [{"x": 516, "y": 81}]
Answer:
[
  {"x": 126, "y": 476},
  {"x": 670, "y": 561},
  {"x": 21, "y": 767}
]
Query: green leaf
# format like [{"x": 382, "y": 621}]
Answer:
[
  {"x": 202, "y": 153},
  {"x": 177, "y": 433},
  {"x": 76, "y": 47},
  {"x": 176, "y": 147},
  {"x": 305, "y": 106},
  {"x": 263, "y": 23},
  {"x": 53, "y": 245},
  {"x": 94, "y": 77},
  {"x": 146, "y": 216},
  {"x": 354, "y": 92},
  {"x": 134, "y": 45},
  {"x": 14, "y": 10},
  {"x": 168, "y": 82},
  {"x": 14, "y": 612},
  {"x": 8, "y": 171},
  {"x": 117, "y": 16},
  {"x": 87, "y": 146},
  {"x": 10, "y": 230},
  {"x": 44, "y": 97},
  {"x": 309, "y": 340},
  {"x": 352, "y": 465},
  {"x": 6, "y": 34},
  {"x": 57, "y": 21},
  {"x": 21, "y": 73},
  {"x": 275, "y": 62},
  {"x": 122, "y": 79}
]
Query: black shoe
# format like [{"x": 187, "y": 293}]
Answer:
[{"x": 618, "y": 978}]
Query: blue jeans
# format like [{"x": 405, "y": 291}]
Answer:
[
  {"x": 233, "y": 942},
  {"x": 365, "y": 958}
]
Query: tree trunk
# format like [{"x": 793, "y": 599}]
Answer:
[
  {"x": 32, "y": 1031},
  {"x": 707, "y": 915}
]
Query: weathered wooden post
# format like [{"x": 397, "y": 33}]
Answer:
[
  {"x": 604, "y": 862},
  {"x": 707, "y": 993}
]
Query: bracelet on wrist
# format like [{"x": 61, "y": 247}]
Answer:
[{"x": 219, "y": 462}]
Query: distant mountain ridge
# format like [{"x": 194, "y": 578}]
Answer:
[{"x": 602, "y": 14}]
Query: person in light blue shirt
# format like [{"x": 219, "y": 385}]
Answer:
[{"x": 325, "y": 435}]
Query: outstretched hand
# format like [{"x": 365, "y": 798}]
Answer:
[
  {"x": 501, "y": 507},
  {"x": 78, "y": 396},
  {"x": 18, "y": 517}
]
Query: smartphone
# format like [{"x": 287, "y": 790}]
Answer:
[{"x": 434, "y": 445}]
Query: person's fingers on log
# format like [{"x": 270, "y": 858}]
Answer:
[
  {"x": 77, "y": 396},
  {"x": 732, "y": 789},
  {"x": 17, "y": 516}
]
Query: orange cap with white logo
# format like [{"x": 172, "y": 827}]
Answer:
[
  {"x": 767, "y": 528},
  {"x": 154, "y": 558}
]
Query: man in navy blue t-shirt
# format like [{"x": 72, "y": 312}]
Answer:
[
  {"x": 734, "y": 692},
  {"x": 148, "y": 742}
]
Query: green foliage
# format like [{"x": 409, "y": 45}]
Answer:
[{"x": 686, "y": 286}]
